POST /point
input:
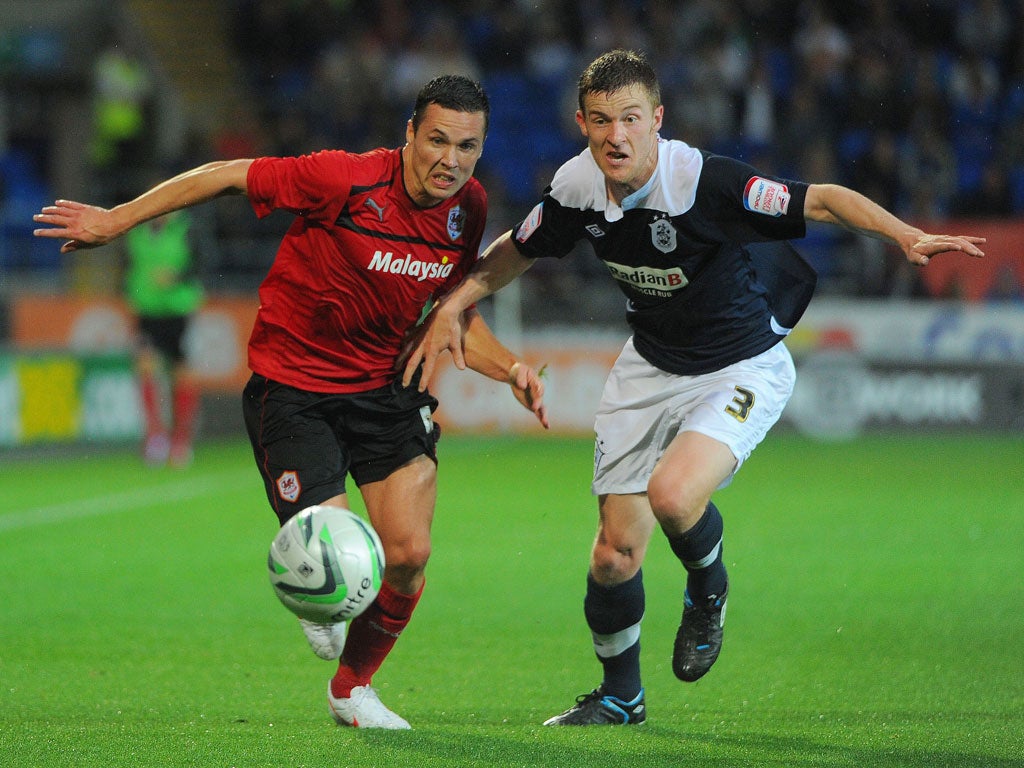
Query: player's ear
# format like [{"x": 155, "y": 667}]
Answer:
[
  {"x": 659, "y": 115},
  {"x": 581, "y": 121},
  {"x": 410, "y": 133}
]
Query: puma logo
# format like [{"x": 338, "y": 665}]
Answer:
[{"x": 378, "y": 209}]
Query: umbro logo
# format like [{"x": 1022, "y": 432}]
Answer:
[{"x": 595, "y": 230}]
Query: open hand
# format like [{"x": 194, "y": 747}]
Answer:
[
  {"x": 82, "y": 226},
  {"x": 927, "y": 246}
]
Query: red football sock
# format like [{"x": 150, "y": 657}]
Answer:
[
  {"x": 371, "y": 636},
  {"x": 149, "y": 389},
  {"x": 186, "y": 403}
]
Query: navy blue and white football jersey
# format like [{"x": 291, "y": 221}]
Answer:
[{"x": 700, "y": 253}]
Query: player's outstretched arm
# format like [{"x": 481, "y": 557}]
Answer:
[
  {"x": 499, "y": 265},
  {"x": 488, "y": 356},
  {"x": 835, "y": 204},
  {"x": 88, "y": 226}
]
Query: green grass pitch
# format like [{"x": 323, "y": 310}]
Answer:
[{"x": 876, "y": 616}]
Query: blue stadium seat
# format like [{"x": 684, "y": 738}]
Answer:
[{"x": 24, "y": 193}]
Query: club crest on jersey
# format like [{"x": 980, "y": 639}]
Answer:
[
  {"x": 288, "y": 485},
  {"x": 766, "y": 196},
  {"x": 456, "y": 221},
  {"x": 663, "y": 235}
]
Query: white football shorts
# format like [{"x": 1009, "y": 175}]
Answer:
[{"x": 643, "y": 409}]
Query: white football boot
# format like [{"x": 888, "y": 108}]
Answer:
[
  {"x": 326, "y": 640},
  {"x": 364, "y": 709}
]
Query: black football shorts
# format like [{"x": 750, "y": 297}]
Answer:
[
  {"x": 305, "y": 443},
  {"x": 165, "y": 334}
]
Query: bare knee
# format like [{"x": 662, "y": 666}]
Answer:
[
  {"x": 682, "y": 482},
  {"x": 612, "y": 563},
  {"x": 404, "y": 565},
  {"x": 676, "y": 505},
  {"x": 623, "y": 533}
]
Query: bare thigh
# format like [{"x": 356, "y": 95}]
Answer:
[{"x": 686, "y": 475}]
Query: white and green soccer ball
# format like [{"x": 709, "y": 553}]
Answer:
[{"x": 326, "y": 564}]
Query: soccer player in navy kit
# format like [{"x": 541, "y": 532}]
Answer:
[
  {"x": 696, "y": 242},
  {"x": 377, "y": 237}
]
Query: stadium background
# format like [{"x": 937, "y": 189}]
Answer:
[
  {"x": 875, "y": 619},
  {"x": 919, "y": 105}
]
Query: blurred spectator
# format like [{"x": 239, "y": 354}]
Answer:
[
  {"x": 757, "y": 108},
  {"x": 122, "y": 90},
  {"x": 928, "y": 173},
  {"x": 163, "y": 290},
  {"x": 912, "y": 100},
  {"x": 983, "y": 26},
  {"x": 823, "y": 47},
  {"x": 239, "y": 136},
  {"x": 345, "y": 93},
  {"x": 991, "y": 199},
  {"x": 876, "y": 172},
  {"x": 859, "y": 89},
  {"x": 821, "y": 245},
  {"x": 875, "y": 100},
  {"x": 974, "y": 90},
  {"x": 805, "y": 123},
  {"x": 618, "y": 24}
]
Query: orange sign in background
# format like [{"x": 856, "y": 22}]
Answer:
[
  {"x": 999, "y": 275},
  {"x": 220, "y": 334},
  {"x": 216, "y": 343}
]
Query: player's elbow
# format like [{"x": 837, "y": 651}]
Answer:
[{"x": 823, "y": 203}]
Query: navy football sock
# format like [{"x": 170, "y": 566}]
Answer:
[
  {"x": 613, "y": 615},
  {"x": 700, "y": 551}
]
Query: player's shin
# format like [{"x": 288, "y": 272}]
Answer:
[
  {"x": 371, "y": 636},
  {"x": 614, "y": 615},
  {"x": 700, "y": 551}
]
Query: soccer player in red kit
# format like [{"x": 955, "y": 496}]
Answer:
[{"x": 377, "y": 238}]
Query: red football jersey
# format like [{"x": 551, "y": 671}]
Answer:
[{"x": 357, "y": 267}]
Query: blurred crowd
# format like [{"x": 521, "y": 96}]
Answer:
[{"x": 919, "y": 105}]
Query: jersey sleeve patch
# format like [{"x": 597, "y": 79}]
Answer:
[
  {"x": 766, "y": 196},
  {"x": 530, "y": 223}
]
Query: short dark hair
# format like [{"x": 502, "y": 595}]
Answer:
[
  {"x": 616, "y": 70},
  {"x": 456, "y": 92}
]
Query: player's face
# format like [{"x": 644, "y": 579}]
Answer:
[
  {"x": 622, "y": 131},
  {"x": 439, "y": 157}
]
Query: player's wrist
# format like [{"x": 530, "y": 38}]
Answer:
[
  {"x": 121, "y": 218},
  {"x": 513, "y": 372}
]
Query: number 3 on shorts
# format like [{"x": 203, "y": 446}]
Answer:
[{"x": 740, "y": 406}]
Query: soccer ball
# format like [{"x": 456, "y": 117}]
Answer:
[{"x": 326, "y": 564}]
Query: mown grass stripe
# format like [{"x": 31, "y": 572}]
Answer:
[{"x": 132, "y": 500}]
